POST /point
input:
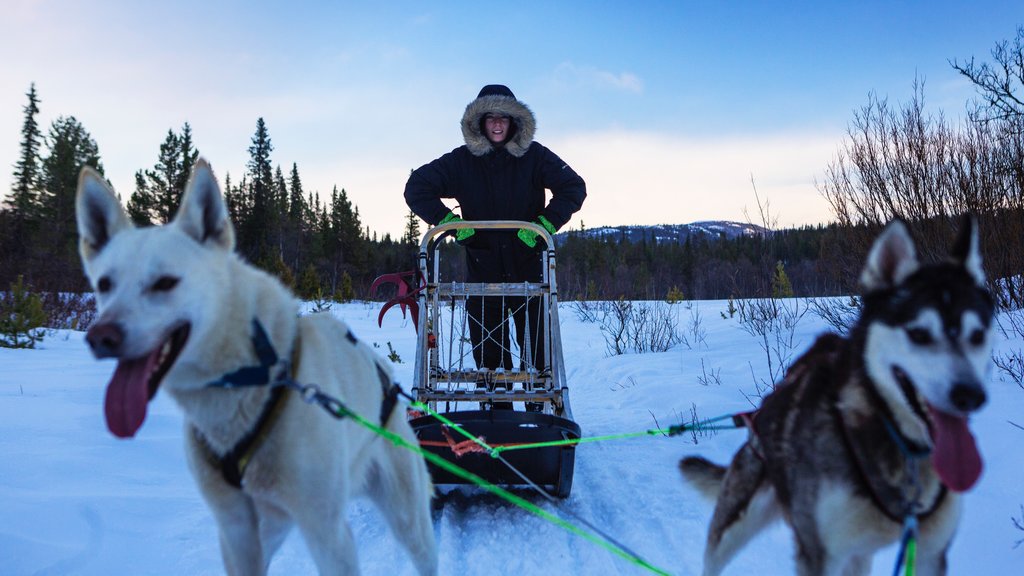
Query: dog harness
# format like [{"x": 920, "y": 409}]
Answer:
[
  {"x": 233, "y": 463},
  {"x": 896, "y": 502}
]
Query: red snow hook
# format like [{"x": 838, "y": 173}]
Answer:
[{"x": 406, "y": 294}]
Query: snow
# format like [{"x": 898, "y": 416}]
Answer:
[{"x": 76, "y": 500}]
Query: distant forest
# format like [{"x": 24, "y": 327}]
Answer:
[{"x": 894, "y": 162}]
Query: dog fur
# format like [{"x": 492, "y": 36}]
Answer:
[
  {"x": 176, "y": 308},
  {"x": 824, "y": 449}
]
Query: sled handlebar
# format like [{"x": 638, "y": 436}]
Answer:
[{"x": 441, "y": 229}]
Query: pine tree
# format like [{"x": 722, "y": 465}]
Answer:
[
  {"x": 158, "y": 191},
  {"x": 412, "y": 229},
  {"x": 296, "y": 226},
  {"x": 141, "y": 204},
  {"x": 781, "y": 287},
  {"x": 20, "y": 219},
  {"x": 21, "y": 317},
  {"x": 24, "y": 201},
  {"x": 70, "y": 148},
  {"x": 188, "y": 155},
  {"x": 344, "y": 241},
  {"x": 258, "y": 225},
  {"x": 345, "y": 293},
  {"x": 309, "y": 283},
  {"x": 296, "y": 201}
]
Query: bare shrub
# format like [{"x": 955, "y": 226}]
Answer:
[
  {"x": 839, "y": 313},
  {"x": 901, "y": 162},
  {"x": 68, "y": 311},
  {"x": 773, "y": 321},
  {"x": 698, "y": 332},
  {"x": 708, "y": 378},
  {"x": 1018, "y": 523},
  {"x": 639, "y": 327},
  {"x": 1011, "y": 363},
  {"x": 589, "y": 311}
]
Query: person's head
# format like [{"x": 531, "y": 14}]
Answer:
[{"x": 495, "y": 119}]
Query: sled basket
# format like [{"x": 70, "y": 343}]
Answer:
[
  {"x": 523, "y": 402},
  {"x": 550, "y": 467}
]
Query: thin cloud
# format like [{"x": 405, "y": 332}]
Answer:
[{"x": 568, "y": 73}]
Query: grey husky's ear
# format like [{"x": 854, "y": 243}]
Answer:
[
  {"x": 203, "y": 214},
  {"x": 966, "y": 250},
  {"x": 892, "y": 259},
  {"x": 98, "y": 212}
]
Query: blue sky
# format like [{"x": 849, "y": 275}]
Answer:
[{"x": 669, "y": 110}]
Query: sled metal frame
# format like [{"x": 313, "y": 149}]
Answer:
[{"x": 460, "y": 390}]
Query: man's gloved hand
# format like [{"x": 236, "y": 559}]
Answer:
[
  {"x": 529, "y": 237},
  {"x": 462, "y": 235}
]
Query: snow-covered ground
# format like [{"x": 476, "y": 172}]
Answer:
[{"x": 76, "y": 500}]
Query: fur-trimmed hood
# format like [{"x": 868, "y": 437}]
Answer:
[{"x": 498, "y": 100}]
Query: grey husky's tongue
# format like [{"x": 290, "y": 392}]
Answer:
[
  {"x": 128, "y": 394},
  {"x": 956, "y": 458}
]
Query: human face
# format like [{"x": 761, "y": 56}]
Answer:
[{"x": 496, "y": 127}]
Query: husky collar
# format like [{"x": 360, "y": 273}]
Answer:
[{"x": 233, "y": 463}]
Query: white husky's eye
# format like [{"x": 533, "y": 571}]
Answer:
[
  {"x": 104, "y": 284},
  {"x": 977, "y": 337},
  {"x": 164, "y": 284},
  {"x": 919, "y": 336}
]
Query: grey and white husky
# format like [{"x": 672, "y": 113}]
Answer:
[
  {"x": 868, "y": 430},
  {"x": 182, "y": 313}
]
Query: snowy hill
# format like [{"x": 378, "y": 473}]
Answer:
[
  {"x": 75, "y": 500},
  {"x": 711, "y": 229}
]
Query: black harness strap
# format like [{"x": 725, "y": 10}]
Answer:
[
  {"x": 390, "y": 389},
  {"x": 233, "y": 463},
  {"x": 911, "y": 452}
]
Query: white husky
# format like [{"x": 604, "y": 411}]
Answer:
[{"x": 180, "y": 311}]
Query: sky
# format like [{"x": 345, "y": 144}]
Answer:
[{"x": 673, "y": 112}]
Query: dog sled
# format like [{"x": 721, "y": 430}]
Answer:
[{"x": 527, "y": 403}]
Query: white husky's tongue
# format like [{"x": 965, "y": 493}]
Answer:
[
  {"x": 128, "y": 394},
  {"x": 956, "y": 458}
]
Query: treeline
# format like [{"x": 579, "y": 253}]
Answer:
[
  {"x": 895, "y": 162},
  {"x": 702, "y": 267},
  {"x": 318, "y": 245}
]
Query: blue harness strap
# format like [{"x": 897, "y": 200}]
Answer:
[{"x": 253, "y": 375}]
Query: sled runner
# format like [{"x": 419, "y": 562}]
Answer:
[{"x": 523, "y": 403}]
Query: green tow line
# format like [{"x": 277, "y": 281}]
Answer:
[
  {"x": 339, "y": 410},
  {"x": 494, "y": 451}
]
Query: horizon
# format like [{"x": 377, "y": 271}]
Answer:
[{"x": 664, "y": 109}]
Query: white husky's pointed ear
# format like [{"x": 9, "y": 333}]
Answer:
[
  {"x": 892, "y": 259},
  {"x": 203, "y": 214},
  {"x": 99, "y": 213},
  {"x": 966, "y": 249}
]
